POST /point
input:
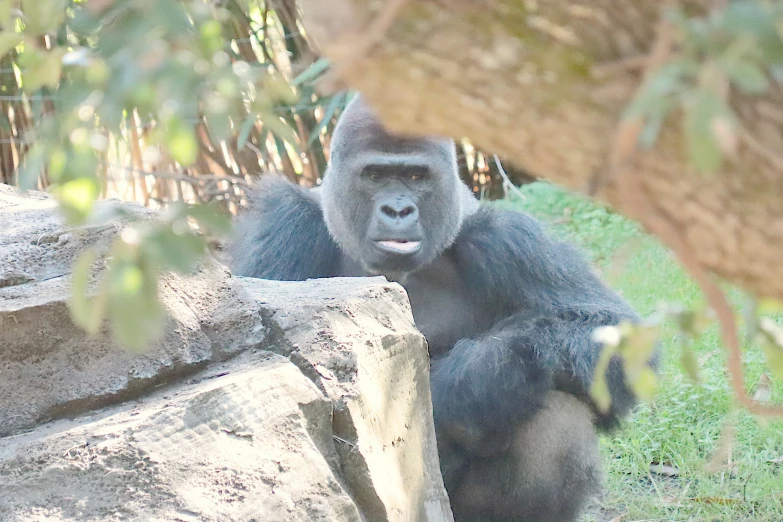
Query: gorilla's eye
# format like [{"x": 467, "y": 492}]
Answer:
[
  {"x": 372, "y": 173},
  {"x": 417, "y": 174}
]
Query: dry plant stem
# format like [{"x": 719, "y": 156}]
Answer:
[
  {"x": 624, "y": 148},
  {"x": 506, "y": 181}
]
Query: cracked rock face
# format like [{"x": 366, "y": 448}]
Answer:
[{"x": 264, "y": 401}]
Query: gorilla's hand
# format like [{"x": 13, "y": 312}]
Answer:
[{"x": 483, "y": 389}]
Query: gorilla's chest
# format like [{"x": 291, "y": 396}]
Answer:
[{"x": 442, "y": 307}]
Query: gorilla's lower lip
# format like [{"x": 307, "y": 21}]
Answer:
[{"x": 400, "y": 247}]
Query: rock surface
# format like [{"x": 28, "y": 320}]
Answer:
[
  {"x": 49, "y": 368},
  {"x": 209, "y": 424}
]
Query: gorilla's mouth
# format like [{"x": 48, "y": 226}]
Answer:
[{"x": 399, "y": 246}]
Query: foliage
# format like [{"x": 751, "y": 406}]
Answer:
[
  {"x": 738, "y": 47},
  {"x": 100, "y": 67}
]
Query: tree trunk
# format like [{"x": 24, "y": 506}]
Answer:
[{"x": 554, "y": 75}]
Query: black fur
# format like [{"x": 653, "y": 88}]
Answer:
[
  {"x": 507, "y": 312},
  {"x": 286, "y": 239}
]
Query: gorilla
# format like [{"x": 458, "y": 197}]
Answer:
[{"x": 507, "y": 312}]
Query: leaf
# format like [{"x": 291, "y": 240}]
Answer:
[
  {"x": 211, "y": 35},
  {"x": 748, "y": 76},
  {"x": 136, "y": 313},
  {"x": 756, "y": 20},
  {"x": 5, "y": 15},
  {"x": 76, "y": 197},
  {"x": 689, "y": 362},
  {"x": 654, "y": 99},
  {"x": 644, "y": 384},
  {"x": 336, "y": 102},
  {"x": 5, "y": 123},
  {"x": 45, "y": 71},
  {"x": 181, "y": 142},
  {"x": 273, "y": 122},
  {"x": 171, "y": 251},
  {"x": 599, "y": 390},
  {"x": 638, "y": 345},
  {"x": 86, "y": 312},
  {"x": 312, "y": 72},
  {"x": 9, "y": 40},
  {"x": 773, "y": 345},
  {"x": 32, "y": 167},
  {"x": 701, "y": 112},
  {"x": 210, "y": 218},
  {"x": 244, "y": 131},
  {"x": 43, "y": 16},
  {"x": 651, "y": 130},
  {"x": 768, "y": 306}
]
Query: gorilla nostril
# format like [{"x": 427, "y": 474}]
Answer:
[
  {"x": 407, "y": 211},
  {"x": 388, "y": 211}
]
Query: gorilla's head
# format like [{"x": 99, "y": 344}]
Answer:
[{"x": 393, "y": 203}]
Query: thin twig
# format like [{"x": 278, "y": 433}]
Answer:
[{"x": 507, "y": 182}]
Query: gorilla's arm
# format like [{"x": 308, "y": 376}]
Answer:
[
  {"x": 546, "y": 301},
  {"x": 282, "y": 235}
]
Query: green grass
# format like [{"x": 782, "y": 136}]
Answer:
[{"x": 683, "y": 424}]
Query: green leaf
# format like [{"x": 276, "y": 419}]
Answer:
[
  {"x": 273, "y": 122},
  {"x": 599, "y": 390},
  {"x": 651, "y": 130},
  {"x": 43, "y": 16},
  {"x": 219, "y": 125},
  {"x": 756, "y": 20},
  {"x": 32, "y": 167},
  {"x": 211, "y": 35},
  {"x": 86, "y": 312},
  {"x": 5, "y": 15},
  {"x": 171, "y": 251},
  {"x": 312, "y": 72},
  {"x": 689, "y": 361},
  {"x": 44, "y": 71},
  {"x": 655, "y": 97},
  {"x": 181, "y": 142},
  {"x": 768, "y": 306},
  {"x": 748, "y": 76},
  {"x": 773, "y": 345},
  {"x": 336, "y": 102},
  {"x": 9, "y": 40},
  {"x": 136, "y": 313},
  {"x": 644, "y": 384},
  {"x": 5, "y": 123},
  {"x": 638, "y": 346},
  {"x": 244, "y": 131},
  {"x": 210, "y": 218},
  {"x": 76, "y": 197},
  {"x": 703, "y": 110}
]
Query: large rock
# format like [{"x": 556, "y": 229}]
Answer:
[
  {"x": 358, "y": 342},
  {"x": 252, "y": 444},
  {"x": 49, "y": 368},
  {"x": 208, "y": 424}
]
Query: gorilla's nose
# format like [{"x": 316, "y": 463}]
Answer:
[{"x": 397, "y": 213}]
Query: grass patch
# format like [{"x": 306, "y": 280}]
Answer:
[{"x": 682, "y": 427}]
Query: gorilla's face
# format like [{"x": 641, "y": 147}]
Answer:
[{"x": 392, "y": 203}]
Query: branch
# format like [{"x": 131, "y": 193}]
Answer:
[{"x": 631, "y": 190}]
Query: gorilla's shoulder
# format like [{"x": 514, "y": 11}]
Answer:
[
  {"x": 282, "y": 234},
  {"x": 510, "y": 260}
]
